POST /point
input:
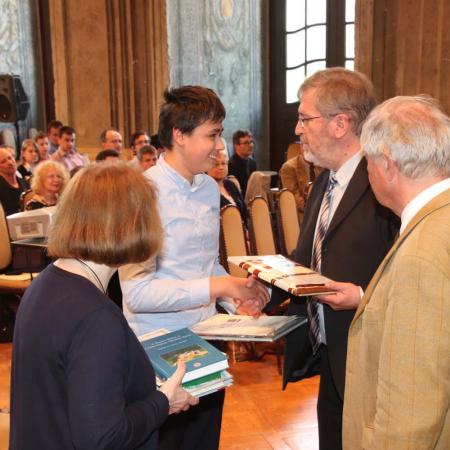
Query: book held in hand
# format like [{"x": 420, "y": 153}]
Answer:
[
  {"x": 165, "y": 350},
  {"x": 228, "y": 327},
  {"x": 284, "y": 273}
]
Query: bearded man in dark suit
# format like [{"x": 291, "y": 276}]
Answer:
[{"x": 345, "y": 233}]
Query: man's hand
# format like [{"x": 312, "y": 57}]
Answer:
[
  {"x": 244, "y": 289},
  {"x": 348, "y": 296},
  {"x": 179, "y": 399},
  {"x": 253, "y": 306}
]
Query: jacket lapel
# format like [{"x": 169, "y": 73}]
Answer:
[
  {"x": 438, "y": 202},
  {"x": 356, "y": 188}
]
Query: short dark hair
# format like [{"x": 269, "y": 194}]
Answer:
[
  {"x": 66, "y": 130},
  {"x": 135, "y": 135},
  {"x": 154, "y": 140},
  {"x": 102, "y": 155},
  {"x": 237, "y": 135},
  {"x": 146, "y": 150},
  {"x": 186, "y": 108},
  {"x": 40, "y": 135},
  {"x": 103, "y": 133},
  {"x": 54, "y": 124}
]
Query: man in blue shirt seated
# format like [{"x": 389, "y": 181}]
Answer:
[{"x": 181, "y": 285}]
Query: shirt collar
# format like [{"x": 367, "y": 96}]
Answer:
[
  {"x": 346, "y": 171},
  {"x": 197, "y": 181},
  {"x": 420, "y": 200}
]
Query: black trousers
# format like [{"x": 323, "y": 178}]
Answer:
[
  {"x": 196, "y": 429},
  {"x": 329, "y": 407}
]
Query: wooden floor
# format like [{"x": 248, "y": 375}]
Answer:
[{"x": 257, "y": 415}]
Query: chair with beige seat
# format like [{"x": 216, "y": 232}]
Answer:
[
  {"x": 260, "y": 228},
  {"x": 288, "y": 224}
]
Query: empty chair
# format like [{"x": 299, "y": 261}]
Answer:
[
  {"x": 232, "y": 239},
  {"x": 260, "y": 228},
  {"x": 288, "y": 224},
  {"x": 258, "y": 186}
]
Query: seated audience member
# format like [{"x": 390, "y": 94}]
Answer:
[
  {"x": 180, "y": 286},
  {"x": 74, "y": 354},
  {"x": 41, "y": 141},
  {"x": 11, "y": 185},
  {"x": 48, "y": 182},
  {"x": 110, "y": 138},
  {"x": 241, "y": 163},
  {"x": 107, "y": 155},
  {"x": 146, "y": 157},
  {"x": 229, "y": 193},
  {"x": 297, "y": 175},
  {"x": 138, "y": 139},
  {"x": 28, "y": 159},
  {"x": 53, "y": 128},
  {"x": 67, "y": 153},
  {"x": 154, "y": 140}
]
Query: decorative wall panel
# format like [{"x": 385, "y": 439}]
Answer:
[{"x": 218, "y": 44}]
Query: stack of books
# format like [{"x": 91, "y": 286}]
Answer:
[{"x": 205, "y": 365}]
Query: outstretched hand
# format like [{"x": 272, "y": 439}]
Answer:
[
  {"x": 253, "y": 306},
  {"x": 347, "y": 296}
]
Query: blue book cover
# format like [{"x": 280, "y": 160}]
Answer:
[{"x": 201, "y": 357}]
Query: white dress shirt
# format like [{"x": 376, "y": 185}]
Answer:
[
  {"x": 172, "y": 290},
  {"x": 418, "y": 202},
  {"x": 343, "y": 177}
]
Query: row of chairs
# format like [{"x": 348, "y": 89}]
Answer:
[
  {"x": 269, "y": 232},
  {"x": 233, "y": 239}
]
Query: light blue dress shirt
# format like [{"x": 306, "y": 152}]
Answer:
[{"x": 172, "y": 290}]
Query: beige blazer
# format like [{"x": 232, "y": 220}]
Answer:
[{"x": 397, "y": 392}]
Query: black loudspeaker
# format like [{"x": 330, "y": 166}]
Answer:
[{"x": 14, "y": 103}]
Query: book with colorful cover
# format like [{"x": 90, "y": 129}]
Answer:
[
  {"x": 284, "y": 273},
  {"x": 228, "y": 327},
  {"x": 207, "y": 384},
  {"x": 165, "y": 350}
]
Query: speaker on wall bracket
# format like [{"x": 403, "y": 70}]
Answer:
[{"x": 14, "y": 102}]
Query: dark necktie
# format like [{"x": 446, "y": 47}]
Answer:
[{"x": 316, "y": 260}]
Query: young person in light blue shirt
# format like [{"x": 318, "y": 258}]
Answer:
[{"x": 181, "y": 285}]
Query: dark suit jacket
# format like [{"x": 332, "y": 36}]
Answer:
[
  {"x": 242, "y": 169},
  {"x": 360, "y": 234}
]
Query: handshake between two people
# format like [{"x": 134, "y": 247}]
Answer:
[{"x": 249, "y": 295}]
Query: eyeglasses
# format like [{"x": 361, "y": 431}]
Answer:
[
  {"x": 303, "y": 120},
  {"x": 246, "y": 142}
]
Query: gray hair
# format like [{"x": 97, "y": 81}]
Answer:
[
  {"x": 340, "y": 90},
  {"x": 413, "y": 132}
]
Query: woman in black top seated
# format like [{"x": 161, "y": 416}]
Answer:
[
  {"x": 47, "y": 184},
  {"x": 229, "y": 191},
  {"x": 80, "y": 377},
  {"x": 28, "y": 159}
]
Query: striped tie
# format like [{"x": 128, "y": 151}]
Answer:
[{"x": 311, "y": 304}]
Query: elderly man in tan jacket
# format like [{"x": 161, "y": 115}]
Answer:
[{"x": 397, "y": 392}]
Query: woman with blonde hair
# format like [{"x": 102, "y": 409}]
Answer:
[
  {"x": 28, "y": 159},
  {"x": 80, "y": 378},
  {"x": 48, "y": 182}
]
